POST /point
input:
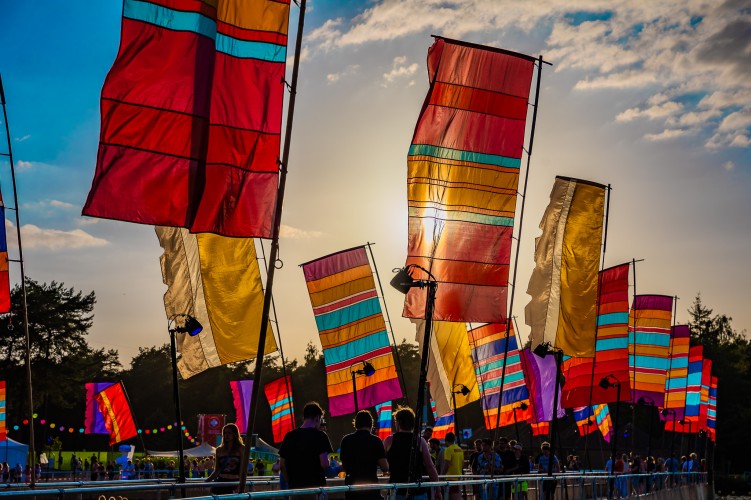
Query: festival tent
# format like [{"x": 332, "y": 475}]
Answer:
[
  {"x": 13, "y": 452},
  {"x": 203, "y": 450}
]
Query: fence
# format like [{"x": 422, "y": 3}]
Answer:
[{"x": 568, "y": 486}]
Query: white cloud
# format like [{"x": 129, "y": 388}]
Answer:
[
  {"x": 666, "y": 134},
  {"x": 21, "y": 139},
  {"x": 659, "y": 111},
  {"x": 294, "y": 233},
  {"x": 348, "y": 71},
  {"x": 21, "y": 164},
  {"x": 62, "y": 204},
  {"x": 399, "y": 70},
  {"x": 728, "y": 166},
  {"x": 55, "y": 239}
]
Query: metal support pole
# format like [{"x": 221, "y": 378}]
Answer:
[
  {"x": 614, "y": 447},
  {"x": 432, "y": 287},
  {"x": 176, "y": 402},
  {"x": 456, "y": 420},
  {"x": 354, "y": 390},
  {"x": 558, "y": 362}
]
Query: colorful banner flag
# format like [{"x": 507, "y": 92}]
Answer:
[
  {"x": 210, "y": 428},
  {"x": 585, "y": 420},
  {"x": 118, "y": 417},
  {"x": 448, "y": 367},
  {"x": 3, "y": 416},
  {"x": 540, "y": 428},
  {"x": 706, "y": 382},
  {"x": 4, "y": 276},
  {"x": 611, "y": 349},
  {"x": 649, "y": 346},
  {"x": 241, "y": 392},
  {"x": 352, "y": 330},
  {"x": 279, "y": 395},
  {"x": 191, "y": 117},
  {"x": 602, "y": 417},
  {"x": 462, "y": 177},
  {"x": 488, "y": 347},
  {"x": 693, "y": 394},
  {"x": 384, "y": 411},
  {"x": 712, "y": 411},
  {"x": 677, "y": 379},
  {"x": 540, "y": 374},
  {"x": 563, "y": 285},
  {"x": 217, "y": 281},
  {"x": 93, "y": 418},
  {"x": 444, "y": 424}
]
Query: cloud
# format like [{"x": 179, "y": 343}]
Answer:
[
  {"x": 49, "y": 207},
  {"x": 352, "y": 69},
  {"x": 24, "y": 165},
  {"x": 399, "y": 70},
  {"x": 728, "y": 166},
  {"x": 62, "y": 204},
  {"x": 294, "y": 233},
  {"x": 21, "y": 139},
  {"x": 666, "y": 134},
  {"x": 669, "y": 108},
  {"x": 55, "y": 239}
]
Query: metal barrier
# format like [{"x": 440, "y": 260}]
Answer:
[{"x": 565, "y": 486}]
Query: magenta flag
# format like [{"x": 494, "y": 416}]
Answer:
[{"x": 241, "y": 390}]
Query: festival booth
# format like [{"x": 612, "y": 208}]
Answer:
[
  {"x": 203, "y": 450},
  {"x": 13, "y": 452}
]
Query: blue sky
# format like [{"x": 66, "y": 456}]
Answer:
[{"x": 651, "y": 97}]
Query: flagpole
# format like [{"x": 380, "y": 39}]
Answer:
[
  {"x": 27, "y": 356},
  {"x": 518, "y": 244},
  {"x": 274, "y": 250},
  {"x": 402, "y": 382}
]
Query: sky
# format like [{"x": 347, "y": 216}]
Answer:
[{"x": 653, "y": 98}]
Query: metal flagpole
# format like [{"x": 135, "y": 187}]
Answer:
[
  {"x": 274, "y": 249},
  {"x": 388, "y": 318},
  {"x": 518, "y": 241},
  {"x": 27, "y": 355}
]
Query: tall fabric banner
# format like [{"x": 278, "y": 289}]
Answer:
[
  {"x": 217, "y": 281},
  {"x": 449, "y": 364},
  {"x": 602, "y": 417},
  {"x": 540, "y": 428},
  {"x": 3, "y": 416},
  {"x": 675, "y": 387},
  {"x": 712, "y": 411},
  {"x": 706, "y": 382},
  {"x": 611, "y": 349},
  {"x": 693, "y": 393},
  {"x": 585, "y": 421},
  {"x": 93, "y": 418},
  {"x": 384, "y": 411},
  {"x": 279, "y": 395},
  {"x": 540, "y": 375},
  {"x": 443, "y": 425},
  {"x": 352, "y": 330},
  {"x": 649, "y": 346},
  {"x": 488, "y": 346},
  {"x": 241, "y": 391},
  {"x": 563, "y": 285},
  {"x": 118, "y": 417},
  {"x": 462, "y": 178},
  {"x": 4, "y": 276},
  {"x": 192, "y": 115}
]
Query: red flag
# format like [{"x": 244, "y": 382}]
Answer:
[
  {"x": 279, "y": 394},
  {"x": 118, "y": 418}
]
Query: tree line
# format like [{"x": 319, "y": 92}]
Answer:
[{"x": 60, "y": 318}]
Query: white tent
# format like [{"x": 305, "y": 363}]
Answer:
[
  {"x": 13, "y": 452},
  {"x": 203, "y": 450}
]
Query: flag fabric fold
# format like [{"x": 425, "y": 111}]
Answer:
[
  {"x": 279, "y": 395},
  {"x": 563, "y": 286},
  {"x": 449, "y": 364},
  {"x": 693, "y": 394},
  {"x": 3, "y": 416},
  {"x": 488, "y": 347},
  {"x": 118, "y": 416},
  {"x": 191, "y": 116},
  {"x": 540, "y": 428},
  {"x": 611, "y": 348},
  {"x": 649, "y": 346},
  {"x": 216, "y": 280},
  {"x": 602, "y": 417},
  {"x": 712, "y": 411},
  {"x": 93, "y": 419},
  {"x": 4, "y": 271},
  {"x": 352, "y": 331},
  {"x": 463, "y": 173},
  {"x": 540, "y": 374},
  {"x": 677, "y": 378},
  {"x": 241, "y": 394}
]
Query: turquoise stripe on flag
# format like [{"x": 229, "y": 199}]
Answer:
[
  {"x": 459, "y": 216},
  {"x": 276, "y": 416},
  {"x": 619, "y": 318},
  {"x": 355, "y": 348},
  {"x": 651, "y": 362},
  {"x": 676, "y": 383},
  {"x": 251, "y": 50},
  {"x": 460, "y": 155},
  {"x": 612, "y": 344},
  {"x": 170, "y": 19},
  {"x": 650, "y": 339},
  {"x": 279, "y": 403},
  {"x": 347, "y": 315}
]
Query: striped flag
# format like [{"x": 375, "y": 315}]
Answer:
[
  {"x": 241, "y": 392},
  {"x": 3, "y": 428},
  {"x": 443, "y": 425},
  {"x": 94, "y": 420},
  {"x": 384, "y": 411},
  {"x": 279, "y": 395},
  {"x": 118, "y": 417}
]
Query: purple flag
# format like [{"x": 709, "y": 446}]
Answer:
[
  {"x": 93, "y": 419},
  {"x": 241, "y": 391},
  {"x": 540, "y": 375}
]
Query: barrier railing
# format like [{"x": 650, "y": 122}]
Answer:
[{"x": 565, "y": 486}]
